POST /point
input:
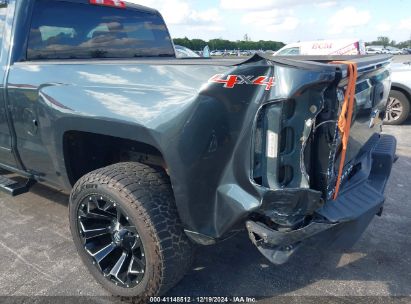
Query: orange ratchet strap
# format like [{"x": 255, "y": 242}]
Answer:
[{"x": 345, "y": 119}]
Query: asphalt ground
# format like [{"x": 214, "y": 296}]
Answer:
[
  {"x": 402, "y": 58},
  {"x": 38, "y": 258}
]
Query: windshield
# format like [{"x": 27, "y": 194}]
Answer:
[
  {"x": 66, "y": 30},
  {"x": 289, "y": 51}
]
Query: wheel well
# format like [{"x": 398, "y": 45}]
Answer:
[
  {"x": 405, "y": 92},
  {"x": 85, "y": 152}
]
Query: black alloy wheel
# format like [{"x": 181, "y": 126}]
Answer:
[{"x": 111, "y": 240}]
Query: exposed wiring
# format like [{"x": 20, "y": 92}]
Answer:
[{"x": 323, "y": 123}]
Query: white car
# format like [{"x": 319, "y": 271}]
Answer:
[
  {"x": 374, "y": 49},
  {"x": 393, "y": 50},
  {"x": 216, "y": 53},
  {"x": 398, "y": 106}
]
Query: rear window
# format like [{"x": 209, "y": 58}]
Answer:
[{"x": 66, "y": 30}]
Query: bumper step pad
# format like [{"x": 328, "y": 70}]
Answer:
[
  {"x": 351, "y": 204},
  {"x": 367, "y": 195}
]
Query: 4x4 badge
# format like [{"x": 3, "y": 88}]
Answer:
[{"x": 232, "y": 80}]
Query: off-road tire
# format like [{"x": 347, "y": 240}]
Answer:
[
  {"x": 405, "y": 104},
  {"x": 145, "y": 194}
]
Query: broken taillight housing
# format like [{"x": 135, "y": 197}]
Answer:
[{"x": 274, "y": 143}]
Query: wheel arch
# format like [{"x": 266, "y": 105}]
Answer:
[
  {"x": 403, "y": 89},
  {"x": 87, "y": 151},
  {"x": 76, "y": 139}
]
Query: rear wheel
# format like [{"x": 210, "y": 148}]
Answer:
[
  {"x": 398, "y": 108},
  {"x": 127, "y": 230}
]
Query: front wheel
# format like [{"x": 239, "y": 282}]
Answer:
[
  {"x": 127, "y": 230},
  {"x": 398, "y": 108}
]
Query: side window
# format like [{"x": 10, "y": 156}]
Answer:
[
  {"x": 101, "y": 28},
  {"x": 143, "y": 32},
  {"x": 3, "y": 12},
  {"x": 51, "y": 35},
  {"x": 50, "y": 32}
]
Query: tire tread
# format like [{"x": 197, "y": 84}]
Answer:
[{"x": 148, "y": 191}]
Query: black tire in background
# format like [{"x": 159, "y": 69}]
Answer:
[
  {"x": 143, "y": 197},
  {"x": 398, "y": 108}
]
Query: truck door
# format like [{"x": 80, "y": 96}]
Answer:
[{"x": 6, "y": 154}]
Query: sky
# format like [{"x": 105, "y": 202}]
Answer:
[{"x": 285, "y": 20}]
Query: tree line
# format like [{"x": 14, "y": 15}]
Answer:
[
  {"x": 221, "y": 44},
  {"x": 386, "y": 41},
  {"x": 247, "y": 44}
]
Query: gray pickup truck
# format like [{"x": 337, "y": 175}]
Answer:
[{"x": 160, "y": 154}]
